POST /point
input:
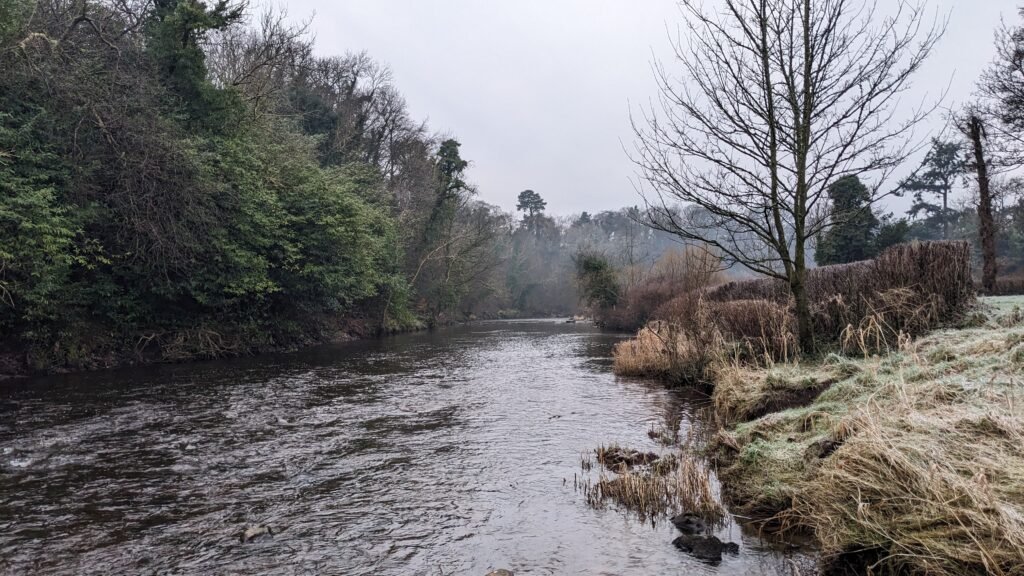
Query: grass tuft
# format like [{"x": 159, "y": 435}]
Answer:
[{"x": 654, "y": 488}]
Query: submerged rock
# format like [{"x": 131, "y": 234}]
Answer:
[
  {"x": 256, "y": 532},
  {"x": 707, "y": 548},
  {"x": 499, "y": 573},
  {"x": 690, "y": 523}
]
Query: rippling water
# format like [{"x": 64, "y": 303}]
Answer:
[{"x": 442, "y": 453}]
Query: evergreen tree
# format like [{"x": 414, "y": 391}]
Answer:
[
  {"x": 851, "y": 235},
  {"x": 891, "y": 232},
  {"x": 532, "y": 206},
  {"x": 932, "y": 185}
]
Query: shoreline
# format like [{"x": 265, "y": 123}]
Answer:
[
  {"x": 15, "y": 365},
  {"x": 907, "y": 459}
]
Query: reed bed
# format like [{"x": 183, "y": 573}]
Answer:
[
  {"x": 665, "y": 351},
  {"x": 658, "y": 489}
]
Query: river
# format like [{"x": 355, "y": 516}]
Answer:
[{"x": 441, "y": 453}]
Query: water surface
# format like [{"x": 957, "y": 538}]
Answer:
[{"x": 452, "y": 452}]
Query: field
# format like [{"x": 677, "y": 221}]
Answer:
[{"x": 1003, "y": 304}]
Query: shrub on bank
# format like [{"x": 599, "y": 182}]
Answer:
[
  {"x": 620, "y": 305},
  {"x": 864, "y": 308}
]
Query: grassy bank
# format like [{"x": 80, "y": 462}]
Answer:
[
  {"x": 897, "y": 442},
  {"x": 911, "y": 459}
]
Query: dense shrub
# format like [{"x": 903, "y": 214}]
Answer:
[{"x": 863, "y": 307}]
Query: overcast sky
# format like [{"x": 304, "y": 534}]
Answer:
[{"x": 539, "y": 91}]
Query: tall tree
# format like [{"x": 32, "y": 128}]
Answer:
[
  {"x": 854, "y": 225},
  {"x": 936, "y": 177},
  {"x": 995, "y": 129},
  {"x": 532, "y": 206},
  {"x": 778, "y": 99}
]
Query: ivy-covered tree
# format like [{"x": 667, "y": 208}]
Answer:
[
  {"x": 599, "y": 285},
  {"x": 177, "y": 29}
]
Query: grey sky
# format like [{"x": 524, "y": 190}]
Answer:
[{"x": 539, "y": 91}]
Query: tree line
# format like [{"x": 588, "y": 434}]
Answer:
[{"x": 186, "y": 179}]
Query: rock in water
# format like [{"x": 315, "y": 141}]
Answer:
[
  {"x": 254, "y": 532},
  {"x": 707, "y": 548},
  {"x": 499, "y": 573},
  {"x": 690, "y": 524}
]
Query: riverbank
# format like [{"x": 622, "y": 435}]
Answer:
[
  {"x": 105, "y": 352},
  {"x": 907, "y": 461}
]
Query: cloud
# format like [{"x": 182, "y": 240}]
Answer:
[{"x": 539, "y": 91}]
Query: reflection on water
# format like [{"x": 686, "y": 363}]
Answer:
[{"x": 442, "y": 453}]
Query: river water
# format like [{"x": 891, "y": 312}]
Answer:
[{"x": 451, "y": 452}]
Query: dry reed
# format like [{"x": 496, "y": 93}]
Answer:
[
  {"x": 656, "y": 489},
  {"x": 865, "y": 308},
  {"x": 664, "y": 350}
]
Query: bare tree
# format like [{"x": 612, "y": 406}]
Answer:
[
  {"x": 776, "y": 100},
  {"x": 258, "y": 60}
]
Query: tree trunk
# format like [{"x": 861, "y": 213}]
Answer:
[
  {"x": 945, "y": 212},
  {"x": 804, "y": 320},
  {"x": 986, "y": 228}
]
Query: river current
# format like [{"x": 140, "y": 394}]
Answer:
[{"x": 442, "y": 453}]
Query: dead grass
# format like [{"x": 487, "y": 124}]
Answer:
[
  {"x": 913, "y": 459},
  {"x": 863, "y": 308},
  {"x": 654, "y": 489},
  {"x": 743, "y": 393},
  {"x": 665, "y": 351}
]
